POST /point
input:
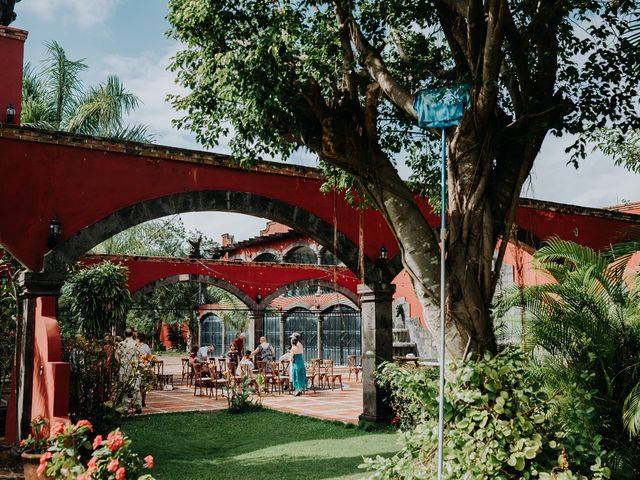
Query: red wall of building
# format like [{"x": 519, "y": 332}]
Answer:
[{"x": 11, "y": 59}]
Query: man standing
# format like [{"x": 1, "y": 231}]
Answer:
[{"x": 239, "y": 343}]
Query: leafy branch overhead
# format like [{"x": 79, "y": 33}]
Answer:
[{"x": 338, "y": 78}]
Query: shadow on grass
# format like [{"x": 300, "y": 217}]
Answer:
[{"x": 220, "y": 445}]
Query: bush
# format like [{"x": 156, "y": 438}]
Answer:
[
  {"x": 97, "y": 390},
  {"x": 499, "y": 424}
]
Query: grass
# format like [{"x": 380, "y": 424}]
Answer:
[{"x": 265, "y": 444}]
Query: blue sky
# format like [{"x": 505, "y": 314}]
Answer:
[{"x": 127, "y": 38}]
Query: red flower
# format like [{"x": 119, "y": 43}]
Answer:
[
  {"x": 85, "y": 423},
  {"x": 97, "y": 442},
  {"x": 115, "y": 440},
  {"x": 57, "y": 429},
  {"x": 120, "y": 474},
  {"x": 84, "y": 476},
  {"x": 22, "y": 443},
  {"x": 149, "y": 460},
  {"x": 113, "y": 465},
  {"x": 41, "y": 469}
]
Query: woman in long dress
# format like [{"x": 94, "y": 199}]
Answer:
[{"x": 298, "y": 372}]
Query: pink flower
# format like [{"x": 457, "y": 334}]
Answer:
[
  {"x": 22, "y": 443},
  {"x": 46, "y": 456},
  {"x": 97, "y": 442},
  {"x": 113, "y": 465},
  {"x": 57, "y": 429},
  {"x": 120, "y": 474},
  {"x": 149, "y": 460},
  {"x": 41, "y": 469},
  {"x": 83, "y": 476},
  {"x": 92, "y": 466},
  {"x": 85, "y": 423},
  {"x": 115, "y": 440}
]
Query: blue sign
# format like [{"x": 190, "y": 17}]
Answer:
[{"x": 441, "y": 107}]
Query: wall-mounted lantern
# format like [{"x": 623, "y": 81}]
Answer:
[
  {"x": 258, "y": 297},
  {"x": 55, "y": 230},
  {"x": 11, "y": 113},
  {"x": 383, "y": 254}
]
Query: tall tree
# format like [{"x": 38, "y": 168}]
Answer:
[
  {"x": 54, "y": 99},
  {"x": 338, "y": 78}
]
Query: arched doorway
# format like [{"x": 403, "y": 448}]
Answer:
[
  {"x": 341, "y": 334},
  {"x": 212, "y": 331},
  {"x": 304, "y": 322}
]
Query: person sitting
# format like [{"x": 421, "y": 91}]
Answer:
[
  {"x": 233, "y": 356},
  {"x": 286, "y": 357},
  {"x": 249, "y": 365},
  {"x": 265, "y": 353},
  {"x": 193, "y": 356},
  {"x": 205, "y": 352}
]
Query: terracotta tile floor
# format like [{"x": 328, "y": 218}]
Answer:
[{"x": 342, "y": 405}]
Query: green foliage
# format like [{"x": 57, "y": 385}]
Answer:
[
  {"x": 94, "y": 381},
  {"x": 412, "y": 391},
  {"x": 585, "y": 325},
  {"x": 9, "y": 293},
  {"x": 499, "y": 424},
  {"x": 623, "y": 147},
  {"x": 54, "y": 99},
  {"x": 98, "y": 298},
  {"x": 239, "y": 397}
]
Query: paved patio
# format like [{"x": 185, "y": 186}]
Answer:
[{"x": 342, "y": 405}]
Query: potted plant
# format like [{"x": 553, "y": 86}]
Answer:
[
  {"x": 72, "y": 455},
  {"x": 34, "y": 447}
]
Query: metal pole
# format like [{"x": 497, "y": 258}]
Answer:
[{"x": 443, "y": 236}]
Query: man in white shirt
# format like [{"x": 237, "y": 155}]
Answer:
[{"x": 204, "y": 353}]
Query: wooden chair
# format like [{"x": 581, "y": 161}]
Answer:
[
  {"x": 218, "y": 381},
  {"x": 316, "y": 377},
  {"x": 352, "y": 365},
  {"x": 330, "y": 376},
  {"x": 186, "y": 369},
  {"x": 279, "y": 380},
  {"x": 201, "y": 380}
]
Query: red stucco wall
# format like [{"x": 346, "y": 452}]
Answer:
[{"x": 11, "y": 58}]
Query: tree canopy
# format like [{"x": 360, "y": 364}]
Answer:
[{"x": 339, "y": 79}]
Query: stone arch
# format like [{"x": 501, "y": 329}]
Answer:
[
  {"x": 299, "y": 219},
  {"x": 311, "y": 283},
  {"x": 189, "y": 277},
  {"x": 298, "y": 247},
  {"x": 267, "y": 253}
]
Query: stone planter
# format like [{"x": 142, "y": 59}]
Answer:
[{"x": 30, "y": 463}]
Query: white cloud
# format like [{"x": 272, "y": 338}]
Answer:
[
  {"x": 84, "y": 13},
  {"x": 598, "y": 182}
]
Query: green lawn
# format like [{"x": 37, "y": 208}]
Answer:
[{"x": 266, "y": 444}]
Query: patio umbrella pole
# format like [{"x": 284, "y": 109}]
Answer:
[{"x": 443, "y": 235}]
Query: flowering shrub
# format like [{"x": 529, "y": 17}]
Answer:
[
  {"x": 38, "y": 439},
  {"x": 73, "y": 456}
]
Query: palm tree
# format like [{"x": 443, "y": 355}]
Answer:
[
  {"x": 54, "y": 99},
  {"x": 587, "y": 319}
]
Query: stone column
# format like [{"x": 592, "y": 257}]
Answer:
[
  {"x": 257, "y": 320},
  {"x": 377, "y": 346},
  {"x": 34, "y": 285},
  {"x": 283, "y": 339},
  {"x": 320, "y": 343}
]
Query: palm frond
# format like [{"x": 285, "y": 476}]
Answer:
[
  {"x": 631, "y": 411},
  {"x": 62, "y": 79}
]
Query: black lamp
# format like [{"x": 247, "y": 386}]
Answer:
[
  {"x": 11, "y": 113},
  {"x": 55, "y": 230},
  {"x": 258, "y": 297},
  {"x": 383, "y": 254}
]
